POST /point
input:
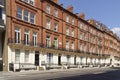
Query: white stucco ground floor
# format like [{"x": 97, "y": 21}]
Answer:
[{"x": 19, "y": 59}]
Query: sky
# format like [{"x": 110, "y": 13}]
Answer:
[{"x": 105, "y": 11}]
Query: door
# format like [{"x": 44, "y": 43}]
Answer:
[
  {"x": 59, "y": 59},
  {"x": 75, "y": 60},
  {"x": 36, "y": 58}
]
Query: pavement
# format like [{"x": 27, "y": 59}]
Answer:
[{"x": 68, "y": 74}]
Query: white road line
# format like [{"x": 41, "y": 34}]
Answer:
[{"x": 98, "y": 72}]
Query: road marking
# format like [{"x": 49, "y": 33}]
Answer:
[{"x": 98, "y": 72}]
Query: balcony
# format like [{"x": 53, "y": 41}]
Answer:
[{"x": 44, "y": 48}]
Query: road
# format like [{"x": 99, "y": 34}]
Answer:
[{"x": 73, "y": 74}]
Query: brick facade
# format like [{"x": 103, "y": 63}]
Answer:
[{"x": 97, "y": 40}]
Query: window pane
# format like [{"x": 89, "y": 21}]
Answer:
[
  {"x": 25, "y": 1},
  {"x": 27, "y": 56},
  {"x": 17, "y": 35},
  {"x": 26, "y": 37},
  {"x": 17, "y": 56},
  {"x": 32, "y": 18},
  {"x": 19, "y": 13},
  {"x": 32, "y": 2},
  {"x": 55, "y": 26},
  {"x": 26, "y": 15},
  {"x": 56, "y": 13},
  {"x": 34, "y": 39},
  {"x": 48, "y": 42},
  {"x": 49, "y": 58},
  {"x": 48, "y": 23},
  {"x": 48, "y": 9}
]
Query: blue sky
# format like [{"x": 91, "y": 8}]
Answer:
[{"x": 105, "y": 11}]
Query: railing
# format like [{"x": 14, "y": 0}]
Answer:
[
  {"x": 41, "y": 45},
  {"x": 23, "y": 42}
]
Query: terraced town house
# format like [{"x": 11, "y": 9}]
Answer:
[{"x": 43, "y": 33}]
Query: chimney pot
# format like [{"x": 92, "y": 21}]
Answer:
[
  {"x": 70, "y": 8},
  {"x": 56, "y": 1}
]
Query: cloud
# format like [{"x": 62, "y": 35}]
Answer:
[{"x": 116, "y": 30}]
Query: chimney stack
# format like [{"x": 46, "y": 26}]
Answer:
[
  {"x": 82, "y": 16},
  {"x": 70, "y": 8},
  {"x": 55, "y": 1}
]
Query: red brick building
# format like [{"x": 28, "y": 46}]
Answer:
[{"x": 43, "y": 33}]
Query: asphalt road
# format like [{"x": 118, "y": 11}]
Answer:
[{"x": 73, "y": 74}]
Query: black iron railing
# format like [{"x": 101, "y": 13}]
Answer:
[{"x": 41, "y": 45}]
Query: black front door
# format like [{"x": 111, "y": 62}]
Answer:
[
  {"x": 36, "y": 58},
  {"x": 75, "y": 60},
  {"x": 59, "y": 59}
]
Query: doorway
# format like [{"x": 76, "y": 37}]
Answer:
[
  {"x": 37, "y": 58},
  {"x": 75, "y": 60},
  {"x": 59, "y": 59}
]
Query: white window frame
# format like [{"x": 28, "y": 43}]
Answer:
[
  {"x": 68, "y": 59},
  {"x": 67, "y": 30},
  {"x": 73, "y": 21},
  {"x": 48, "y": 9},
  {"x": 81, "y": 47},
  {"x": 32, "y": 18},
  {"x": 48, "y": 41},
  {"x": 67, "y": 18},
  {"x": 85, "y": 27},
  {"x": 17, "y": 56},
  {"x": 72, "y": 34},
  {"x": 56, "y": 12},
  {"x": 26, "y": 16},
  {"x": 81, "y": 59},
  {"x": 48, "y": 23},
  {"x": 19, "y": 13},
  {"x": 85, "y": 48},
  {"x": 81, "y": 36},
  {"x": 26, "y": 40},
  {"x": 31, "y": 2},
  {"x": 67, "y": 45},
  {"x": 17, "y": 35},
  {"x": 27, "y": 1},
  {"x": 26, "y": 56},
  {"x": 72, "y": 46},
  {"x": 35, "y": 39},
  {"x": 49, "y": 58},
  {"x": 56, "y": 42},
  {"x": 81, "y": 25},
  {"x": 55, "y": 26}
]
